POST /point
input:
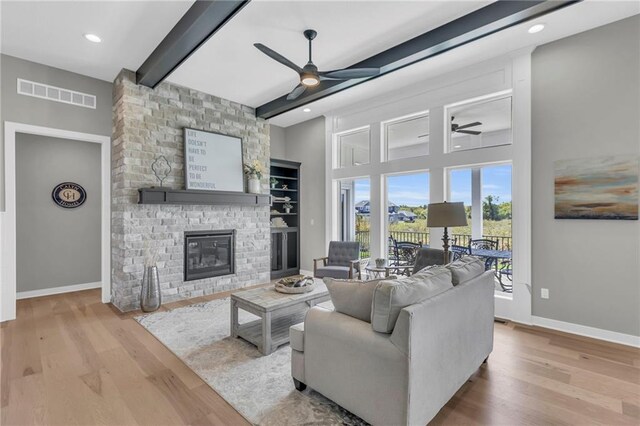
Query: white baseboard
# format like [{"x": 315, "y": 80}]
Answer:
[
  {"x": 56, "y": 290},
  {"x": 583, "y": 330}
]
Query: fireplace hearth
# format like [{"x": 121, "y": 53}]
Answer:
[{"x": 209, "y": 254}]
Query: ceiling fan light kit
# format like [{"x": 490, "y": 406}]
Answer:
[{"x": 309, "y": 74}]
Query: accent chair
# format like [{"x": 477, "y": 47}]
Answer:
[{"x": 342, "y": 262}]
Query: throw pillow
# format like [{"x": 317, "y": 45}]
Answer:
[
  {"x": 353, "y": 297},
  {"x": 391, "y": 296},
  {"x": 465, "y": 269}
]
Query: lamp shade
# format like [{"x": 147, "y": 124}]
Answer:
[{"x": 441, "y": 215}]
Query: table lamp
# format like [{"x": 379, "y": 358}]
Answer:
[{"x": 444, "y": 215}]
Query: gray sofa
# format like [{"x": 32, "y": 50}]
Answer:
[{"x": 407, "y": 376}]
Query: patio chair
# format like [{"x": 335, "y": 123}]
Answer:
[
  {"x": 409, "y": 255},
  {"x": 485, "y": 244},
  {"x": 458, "y": 251},
  {"x": 504, "y": 274},
  {"x": 424, "y": 257}
]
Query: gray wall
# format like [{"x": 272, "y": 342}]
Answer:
[
  {"x": 305, "y": 142},
  {"x": 277, "y": 142},
  {"x": 41, "y": 112},
  {"x": 56, "y": 246},
  {"x": 586, "y": 103}
]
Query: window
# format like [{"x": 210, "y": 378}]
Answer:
[
  {"x": 355, "y": 213},
  {"x": 407, "y": 200},
  {"x": 496, "y": 204},
  {"x": 486, "y": 193},
  {"x": 480, "y": 124},
  {"x": 406, "y": 137},
  {"x": 460, "y": 190},
  {"x": 353, "y": 148}
]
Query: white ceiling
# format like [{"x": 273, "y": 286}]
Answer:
[
  {"x": 563, "y": 23},
  {"x": 51, "y": 32},
  {"x": 228, "y": 65}
]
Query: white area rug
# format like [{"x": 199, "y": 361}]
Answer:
[{"x": 259, "y": 387}]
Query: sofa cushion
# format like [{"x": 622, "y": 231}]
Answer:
[
  {"x": 352, "y": 297},
  {"x": 332, "y": 271},
  {"x": 465, "y": 269},
  {"x": 391, "y": 296},
  {"x": 296, "y": 337}
]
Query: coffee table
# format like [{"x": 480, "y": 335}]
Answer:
[{"x": 277, "y": 312}]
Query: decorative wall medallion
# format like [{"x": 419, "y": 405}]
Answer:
[
  {"x": 69, "y": 195},
  {"x": 161, "y": 168}
]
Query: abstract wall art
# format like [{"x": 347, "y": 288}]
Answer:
[{"x": 597, "y": 188}]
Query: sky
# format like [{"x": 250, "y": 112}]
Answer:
[{"x": 413, "y": 190}]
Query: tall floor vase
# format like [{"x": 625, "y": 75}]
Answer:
[{"x": 150, "y": 297}]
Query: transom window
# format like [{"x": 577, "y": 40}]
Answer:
[
  {"x": 353, "y": 148},
  {"x": 406, "y": 137},
  {"x": 480, "y": 124}
]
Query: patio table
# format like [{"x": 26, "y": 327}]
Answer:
[{"x": 493, "y": 256}]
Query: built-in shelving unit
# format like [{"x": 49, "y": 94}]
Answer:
[{"x": 285, "y": 241}]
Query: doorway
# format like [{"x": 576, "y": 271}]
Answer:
[{"x": 9, "y": 253}]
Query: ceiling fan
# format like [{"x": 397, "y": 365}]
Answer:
[
  {"x": 309, "y": 74},
  {"x": 456, "y": 128}
]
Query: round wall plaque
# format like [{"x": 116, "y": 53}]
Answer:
[{"x": 69, "y": 195}]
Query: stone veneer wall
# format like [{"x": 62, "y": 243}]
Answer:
[{"x": 148, "y": 123}]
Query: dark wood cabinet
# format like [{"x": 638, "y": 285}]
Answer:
[{"x": 285, "y": 218}]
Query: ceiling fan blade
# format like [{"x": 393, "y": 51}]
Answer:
[
  {"x": 468, "y": 132},
  {"x": 277, "y": 57},
  {"x": 297, "y": 91},
  {"x": 475, "y": 123},
  {"x": 350, "y": 73}
]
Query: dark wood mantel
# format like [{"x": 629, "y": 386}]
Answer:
[{"x": 190, "y": 197}]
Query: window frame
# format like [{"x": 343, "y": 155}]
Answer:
[
  {"x": 384, "y": 146},
  {"x": 337, "y": 151},
  {"x": 474, "y": 101}
]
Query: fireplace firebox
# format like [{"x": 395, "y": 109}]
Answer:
[{"x": 209, "y": 254}]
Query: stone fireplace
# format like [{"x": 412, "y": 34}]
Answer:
[{"x": 148, "y": 123}]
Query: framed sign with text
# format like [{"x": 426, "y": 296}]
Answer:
[{"x": 212, "y": 161}]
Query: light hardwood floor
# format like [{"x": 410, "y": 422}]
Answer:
[{"x": 71, "y": 360}]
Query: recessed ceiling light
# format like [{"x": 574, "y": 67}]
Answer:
[
  {"x": 457, "y": 146},
  {"x": 536, "y": 28},
  {"x": 306, "y": 110},
  {"x": 93, "y": 38}
]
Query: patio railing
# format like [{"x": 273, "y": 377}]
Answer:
[
  {"x": 364, "y": 238},
  {"x": 504, "y": 243}
]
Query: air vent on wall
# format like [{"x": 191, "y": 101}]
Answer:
[{"x": 56, "y": 94}]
